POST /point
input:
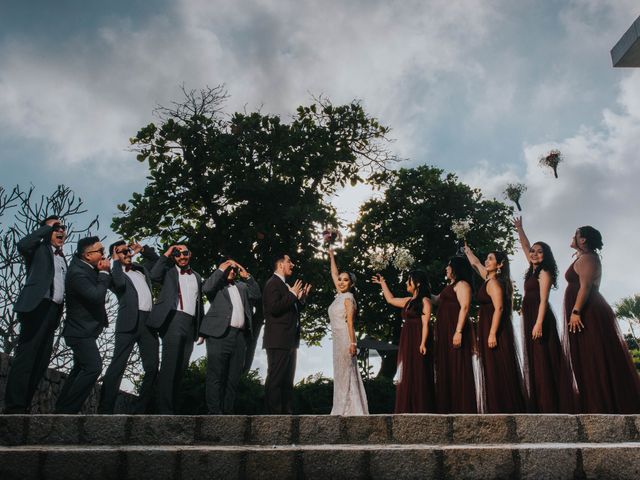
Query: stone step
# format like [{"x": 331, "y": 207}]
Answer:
[
  {"x": 374, "y": 461},
  {"x": 315, "y": 430}
]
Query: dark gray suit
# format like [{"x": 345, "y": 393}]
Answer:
[
  {"x": 226, "y": 345},
  {"x": 86, "y": 317},
  {"x": 38, "y": 317},
  {"x": 131, "y": 328},
  {"x": 177, "y": 330}
]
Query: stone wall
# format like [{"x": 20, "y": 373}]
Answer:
[{"x": 49, "y": 388}]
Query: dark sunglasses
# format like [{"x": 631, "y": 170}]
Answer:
[
  {"x": 126, "y": 251},
  {"x": 184, "y": 253},
  {"x": 59, "y": 228},
  {"x": 100, "y": 251}
]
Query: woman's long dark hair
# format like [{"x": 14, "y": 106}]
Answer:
[
  {"x": 548, "y": 264},
  {"x": 421, "y": 282},
  {"x": 504, "y": 278},
  {"x": 461, "y": 270}
]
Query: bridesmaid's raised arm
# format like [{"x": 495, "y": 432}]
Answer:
[
  {"x": 388, "y": 296},
  {"x": 524, "y": 241},
  {"x": 475, "y": 262}
]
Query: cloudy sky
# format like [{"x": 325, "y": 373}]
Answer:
[{"x": 478, "y": 87}]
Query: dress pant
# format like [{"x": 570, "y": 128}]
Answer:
[
  {"x": 281, "y": 369},
  {"x": 32, "y": 355},
  {"x": 148, "y": 344},
  {"x": 225, "y": 361},
  {"x": 87, "y": 366},
  {"x": 177, "y": 336}
]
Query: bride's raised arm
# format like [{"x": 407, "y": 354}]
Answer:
[{"x": 334, "y": 268}]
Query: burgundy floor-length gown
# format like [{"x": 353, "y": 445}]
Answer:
[
  {"x": 607, "y": 380},
  {"x": 502, "y": 380},
  {"x": 415, "y": 390},
  {"x": 547, "y": 370},
  {"x": 455, "y": 386}
]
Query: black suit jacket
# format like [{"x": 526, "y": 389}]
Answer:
[
  {"x": 86, "y": 289},
  {"x": 36, "y": 250},
  {"x": 165, "y": 273},
  {"x": 281, "y": 315},
  {"x": 126, "y": 291},
  {"x": 217, "y": 319}
]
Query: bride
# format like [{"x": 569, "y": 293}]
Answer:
[{"x": 349, "y": 397}]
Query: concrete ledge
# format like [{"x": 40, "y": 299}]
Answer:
[
  {"x": 383, "y": 461},
  {"x": 315, "y": 430}
]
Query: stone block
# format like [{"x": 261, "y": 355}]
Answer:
[
  {"x": 19, "y": 464},
  {"x": 478, "y": 463},
  {"x": 105, "y": 430},
  {"x": 209, "y": 463},
  {"x": 271, "y": 430},
  {"x": 277, "y": 463},
  {"x": 547, "y": 428},
  {"x": 424, "y": 429},
  {"x": 81, "y": 464},
  {"x": 222, "y": 429},
  {"x": 470, "y": 429},
  {"x": 604, "y": 428},
  {"x": 319, "y": 430},
  {"x": 162, "y": 430},
  {"x": 152, "y": 463},
  {"x": 366, "y": 429},
  {"x": 404, "y": 464},
  {"x": 611, "y": 462},
  {"x": 54, "y": 430},
  {"x": 548, "y": 463},
  {"x": 348, "y": 463},
  {"x": 12, "y": 429}
]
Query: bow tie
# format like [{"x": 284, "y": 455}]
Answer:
[
  {"x": 127, "y": 268},
  {"x": 59, "y": 252},
  {"x": 186, "y": 271}
]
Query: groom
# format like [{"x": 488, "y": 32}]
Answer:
[{"x": 282, "y": 305}]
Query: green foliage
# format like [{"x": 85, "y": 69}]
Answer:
[
  {"x": 416, "y": 213},
  {"x": 250, "y": 184},
  {"x": 311, "y": 396}
]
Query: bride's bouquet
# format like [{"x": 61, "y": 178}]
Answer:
[
  {"x": 331, "y": 236},
  {"x": 379, "y": 259},
  {"x": 460, "y": 228}
]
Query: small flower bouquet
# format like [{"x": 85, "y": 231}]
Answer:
[
  {"x": 402, "y": 259},
  {"x": 460, "y": 228},
  {"x": 514, "y": 193},
  {"x": 551, "y": 160},
  {"x": 331, "y": 236},
  {"x": 379, "y": 260}
]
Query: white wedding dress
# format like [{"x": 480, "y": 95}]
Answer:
[{"x": 349, "y": 397}]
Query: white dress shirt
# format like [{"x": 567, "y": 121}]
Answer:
[
  {"x": 140, "y": 283},
  {"x": 189, "y": 293},
  {"x": 237, "y": 312},
  {"x": 59, "y": 271}
]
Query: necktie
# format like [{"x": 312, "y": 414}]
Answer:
[{"x": 186, "y": 271}]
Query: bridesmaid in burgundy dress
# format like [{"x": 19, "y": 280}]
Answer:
[
  {"x": 415, "y": 390},
  {"x": 606, "y": 378},
  {"x": 455, "y": 385},
  {"x": 502, "y": 381},
  {"x": 547, "y": 372}
]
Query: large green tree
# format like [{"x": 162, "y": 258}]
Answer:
[
  {"x": 416, "y": 213},
  {"x": 249, "y": 184}
]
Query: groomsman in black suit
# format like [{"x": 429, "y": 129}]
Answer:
[
  {"x": 39, "y": 308},
  {"x": 282, "y": 305},
  {"x": 131, "y": 283},
  {"x": 87, "y": 282},
  {"x": 176, "y": 314},
  {"x": 227, "y": 329}
]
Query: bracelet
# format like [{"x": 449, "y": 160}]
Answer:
[
  {"x": 458, "y": 331},
  {"x": 352, "y": 343}
]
